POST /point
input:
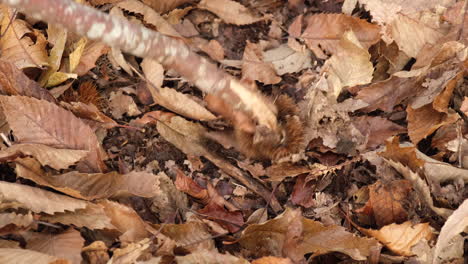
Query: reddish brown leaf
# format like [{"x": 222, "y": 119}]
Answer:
[
  {"x": 232, "y": 221},
  {"x": 31, "y": 122},
  {"x": 376, "y": 129},
  {"x": 303, "y": 192},
  {"x": 324, "y": 31},
  {"x": 15, "y": 82}
]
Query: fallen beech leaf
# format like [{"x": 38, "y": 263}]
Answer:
[
  {"x": 75, "y": 55},
  {"x": 303, "y": 192},
  {"x": 9, "y": 244},
  {"x": 387, "y": 201},
  {"x": 170, "y": 98},
  {"x": 125, "y": 220},
  {"x": 189, "y": 186},
  {"x": 386, "y": 94},
  {"x": 16, "y": 219},
  {"x": 21, "y": 45},
  {"x": 92, "y": 51},
  {"x": 31, "y": 122},
  {"x": 91, "y": 186},
  {"x": 165, "y": 6},
  {"x": 206, "y": 257},
  {"x": 47, "y": 156},
  {"x": 350, "y": 65},
  {"x": 455, "y": 224},
  {"x": 66, "y": 245},
  {"x": 291, "y": 235},
  {"x": 286, "y": 60},
  {"x": 57, "y": 36},
  {"x": 191, "y": 235},
  {"x": 425, "y": 120},
  {"x": 58, "y": 78},
  {"x": 420, "y": 186},
  {"x": 16, "y": 255},
  {"x": 121, "y": 104},
  {"x": 92, "y": 217},
  {"x": 412, "y": 34},
  {"x": 324, "y": 31},
  {"x": 254, "y": 68},
  {"x": 399, "y": 238},
  {"x": 130, "y": 253},
  {"x": 231, "y": 220},
  {"x": 91, "y": 113},
  {"x": 38, "y": 200},
  {"x": 167, "y": 201},
  {"x": 231, "y": 12},
  {"x": 14, "y": 82},
  {"x": 149, "y": 16},
  {"x": 376, "y": 129}
]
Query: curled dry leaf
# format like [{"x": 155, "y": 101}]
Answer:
[
  {"x": 38, "y": 200},
  {"x": 19, "y": 220},
  {"x": 169, "y": 98},
  {"x": 324, "y": 31},
  {"x": 254, "y": 68},
  {"x": 455, "y": 224},
  {"x": 91, "y": 186},
  {"x": 350, "y": 65},
  {"x": 18, "y": 46},
  {"x": 30, "y": 119},
  {"x": 66, "y": 245},
  {"x": 121, "y": 104},
  {"x": 399, "y": 238},
  {"x": 14, "y": 82},
  {"x": 15, "y": 255},
  {"x": 291, "y": 235},
  {"x": 92, "y": 51},
  {"x": 47, "y": 156},
  {"x": 149, "y": 16},
  {"x": 231, "y": 12},
  {"x": 57, "y": 36},
  {"x": 386, "y": 201},
  {"x": 90, "y": 113}
]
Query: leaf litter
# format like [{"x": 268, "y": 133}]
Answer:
[{"x": 357, "y": 151}]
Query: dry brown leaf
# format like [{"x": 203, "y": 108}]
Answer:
[
  {"x": 387, "y": 201},
  {"x": 149, "y": 16},
  {"x": 92, "y": 217},
  {"x": 14, "y": 82},
  {"x": 425, "y": 120},
  {"x": 231, "y": 12},
  {"x": 209, "y": 257},
  {"x": 57, "y": 36},
  {"x": 165, "y": 6},
  {"x": 190, "y": 235},
  {"x": 31, "y": 122},
  {"x": 38, "y": 200},
  {"x": 130, "y": 253},
  {"x": 189, "y": 186},
  {"x": 121, "y": 104},
  {"x": 47, "y": 156},
  {"x": 77, "y": 49},
  {"x": 231, "y": 220},
  {"x": 169, "y": 98},
  {"x": 291, "y": 235},
  {"x": 96, "y": 252},
  {"x": 17, "y": 44},
  {"x": 66, "y": 245},
  {"x": 386, "y": 94},
  {"x": 411, "y": 34},
  {"x": 324, "y": 31},
  {"x": 125, "y": 220},
  {"x": 350, "y": 65},
  {"x": 91, "y": 186},
  {"x": 19, "y": 220},
  {"x": 91, "y": 113},
  {"x": 16, "y": 255},
  {"x": 376, "y": 129},
  {"x": 92, "y": 51},
  {"x": 214, "y": 49},
  {"x": 254, "y": 68},
  {"x": 168, "y": 200},
  {"x": 420, "y": 186},
  {"x": 399, "y": 238},
  {"x": 455, "y": 224},
  {"x": 9, "y": 244},
  {"x": 286, "y": 60}
]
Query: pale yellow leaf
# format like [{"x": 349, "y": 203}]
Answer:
[{"x": 75, "y": 55}]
